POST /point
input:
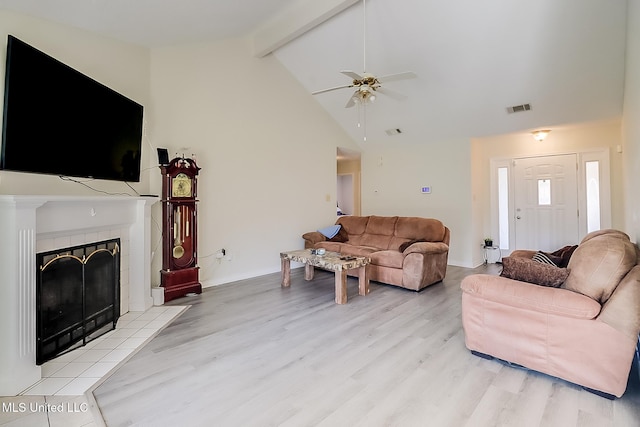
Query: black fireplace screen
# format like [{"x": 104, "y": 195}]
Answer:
[{"x": 78, "y": 296}]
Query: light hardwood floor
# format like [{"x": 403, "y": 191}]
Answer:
[{"x": 254, "y": 354}]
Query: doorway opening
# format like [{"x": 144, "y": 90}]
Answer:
[{"x": 348, "y": 182}]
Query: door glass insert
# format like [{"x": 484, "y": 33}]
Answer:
[
  {"x": 503, "y": 207},
  {"x": 593, "y": 195},
  {"x": 544, "y": 192}
]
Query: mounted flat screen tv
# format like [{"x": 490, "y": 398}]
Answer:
[{"x": 58, "y": 121}]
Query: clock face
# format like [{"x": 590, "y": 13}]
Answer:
[{"x": 181, "y": 186}]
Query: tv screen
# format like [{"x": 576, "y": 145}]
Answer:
[{"x": 59, "y": 121}]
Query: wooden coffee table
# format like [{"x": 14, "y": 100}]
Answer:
[{"x": 333, "y": 261}]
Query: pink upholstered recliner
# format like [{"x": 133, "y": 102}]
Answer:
[{"x": 584, "y": 331}]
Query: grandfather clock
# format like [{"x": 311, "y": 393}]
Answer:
[{"x": 179, "y": 274}]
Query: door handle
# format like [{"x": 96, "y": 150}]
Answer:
[{"x": 518, "y": 217}]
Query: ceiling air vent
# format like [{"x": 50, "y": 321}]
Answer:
[{"x": 518, "y": 108}]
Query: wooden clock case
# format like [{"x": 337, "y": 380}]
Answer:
[{"x": 180, "y": 272}]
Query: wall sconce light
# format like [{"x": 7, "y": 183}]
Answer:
[{"x": 540, "y": 135}]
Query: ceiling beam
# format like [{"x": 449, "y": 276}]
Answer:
[{"x": 294, "y": 22}]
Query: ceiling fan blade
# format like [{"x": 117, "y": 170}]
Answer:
[
  {"x": 353, "y": 75},
  {"x": 391, "y": 94},
  {"x": 398, "y": 76},
  {"x": 330, "y": 89}
]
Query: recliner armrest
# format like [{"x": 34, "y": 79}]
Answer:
[{"x": 528, "y": 296}]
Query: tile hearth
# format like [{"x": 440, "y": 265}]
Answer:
[
  {"x": 76, "y": 372},
  {"x": 60, "y": 397}
]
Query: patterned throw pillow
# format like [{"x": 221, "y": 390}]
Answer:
[
  {"x": 543, "y": 258},
  {"x": 528, "y": 270}
]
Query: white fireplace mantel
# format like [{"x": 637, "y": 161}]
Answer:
[{"x": 25, "y": 219}]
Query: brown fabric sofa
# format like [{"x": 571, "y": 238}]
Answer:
[
  {"x": 422, "y": 263},
  {"x": 584, "y": 331}
]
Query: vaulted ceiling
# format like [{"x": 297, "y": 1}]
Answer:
[{"x": 473, "y": 59}]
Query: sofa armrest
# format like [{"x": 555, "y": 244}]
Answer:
[
  {"x": 527, "y": 296},
  {"x": 427, "y": 248},
  {"x": 314, "y": 237}
]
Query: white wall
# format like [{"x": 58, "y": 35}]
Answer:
[
  {"x": 120, "y": 66},
  {"x": 631, "y": 122},
  {"x": 266, "y": 149},
  {"x": 392, "y": 178}
]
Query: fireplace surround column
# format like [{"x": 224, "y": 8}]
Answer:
[{"x": 17, "y": 289}]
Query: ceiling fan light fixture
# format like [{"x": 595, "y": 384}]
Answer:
[{"x": 540, "y": 135}]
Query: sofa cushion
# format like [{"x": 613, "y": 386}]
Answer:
[
  {"x": 378, "y": 232},
  {"x": 599, "y": 263},
  {"x": 379, "y": 241},
  {"x": 346, "y": 248},
  {"x": 528, "y": 270},
  {"x": 390, "y": 258},
  {"x": 429, "y": 229},
  {"x": 382, "y": 225},
  {"x": 353, "y": 225},
  {"x": 359, "y": 250}
]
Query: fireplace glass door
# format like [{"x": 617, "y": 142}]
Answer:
[{"x": 78, "y": 296}]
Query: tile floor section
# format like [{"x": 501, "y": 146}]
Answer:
[{"x": 74, "y": 373}]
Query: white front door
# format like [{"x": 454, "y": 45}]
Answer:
[{"x": 546, "y": 202}]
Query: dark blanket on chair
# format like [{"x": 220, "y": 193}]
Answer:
[{"x": 563, "y": 255}]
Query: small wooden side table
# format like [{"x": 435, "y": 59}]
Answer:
[{"x": 332, "y": 261}]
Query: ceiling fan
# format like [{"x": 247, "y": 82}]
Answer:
[{"x": 366, "y": 84}]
